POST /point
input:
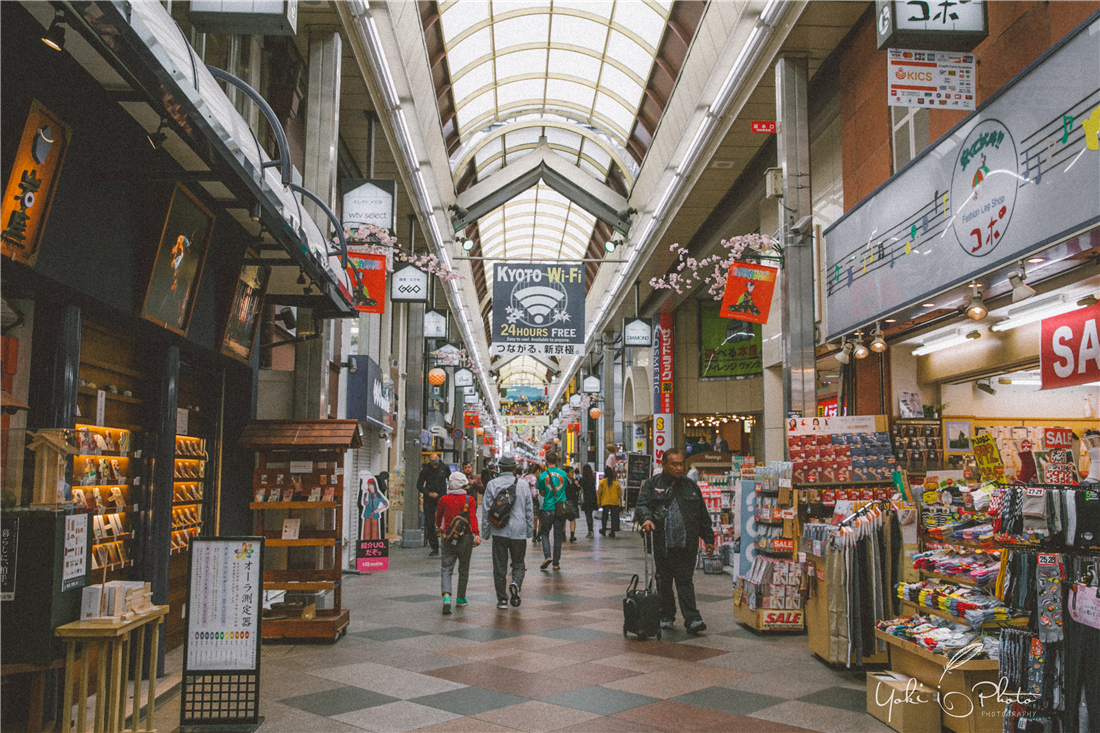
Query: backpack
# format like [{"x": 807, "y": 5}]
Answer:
[
  {"x": 459, "y": 526},
  {"x": 501, "y": 510}
]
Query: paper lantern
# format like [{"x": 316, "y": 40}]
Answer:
[
  {"x": 437, "y": 376},
  {"x": 594, "y": 413},
  {"x": 557, "y": 440},
  {"x": 480, "y": 431}
]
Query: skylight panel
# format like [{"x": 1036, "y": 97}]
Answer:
[
  {"x": 461, "y": 15},
  {"x": 491, "y": 148},
  {"x": 573, "y": 31},
  {"x": 592, "y": 170},
  {"x": 621, "y": 117},
  {"x": 532, "y": 61},
  {"x": 567, "y": 91},
  {"x": 465, "y": 86},
  {"x": 521, "y": 30},
  {"x": 581, "y": 66},
  {"x": 521, "y": 137},
  {"x": 602, "y": 8},
  {"x": 642, "y": 20},
  {"x": 476, "y": 107},
  {"x": 468, "y": 51},
  {"x": 598, "y": 155},
  {"x": 520, "y": 91},
  {"x": 628, "y": 89},
  {"x": 629, "y": 54},
  {"x": 563, "y": 138}
]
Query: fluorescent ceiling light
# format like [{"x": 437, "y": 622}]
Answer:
[
  {"x": 1036, "y": 312},
  {"x": 943, "y": 341}
]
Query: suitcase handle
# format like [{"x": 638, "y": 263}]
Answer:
[
  {"x": 632, "y": 586},
  {"x": 647, "y": 550}
]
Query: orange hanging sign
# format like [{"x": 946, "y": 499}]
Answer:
[
  {"x": 748, "y": 295},
  {"x": 32, "y": 182}
]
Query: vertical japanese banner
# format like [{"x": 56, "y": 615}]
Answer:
[
  {"x": 224, "y": 605},
  {"x": 662, "y": 364}
]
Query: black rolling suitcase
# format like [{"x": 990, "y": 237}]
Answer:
[{"x": 642, "y": 606}]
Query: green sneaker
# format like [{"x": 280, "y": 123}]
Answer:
[
  {"x": 446, "y": 605},
  {"x": 460, "y": 602}
]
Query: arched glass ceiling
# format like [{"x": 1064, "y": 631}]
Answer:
[
  {"x": 586, "y": 59},
  {"x": 522, "y": 370},
  {"x": 538, "y": 224}
]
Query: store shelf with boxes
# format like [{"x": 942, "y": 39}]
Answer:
[
  {"x": 717, "y": 476},
  {"x": 298, "y": 500}
]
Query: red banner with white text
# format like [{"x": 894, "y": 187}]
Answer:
[{"x": 1070, "y": 351}]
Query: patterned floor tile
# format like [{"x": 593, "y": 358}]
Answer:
[
  {"x": 592, "y": 673},
  {"x": 468, "y": 700},
  {"x": 388, "y": 680},
  {"x": 535, "y": 716},
  {"x": 337, "y": 700},
  {"x": 659, "y": 685},
  {"x": 574, "y": 634},
  {"x": 531, "y": 662},
  {"x": 396, "y": 717},
  {"x": 729, "y": 701},
  {"x": 814, "y": 717},
  {"x": 390, "y": 633},
  {"x": 677, "y": 717},
  {"x": 843, "y": 698},
  {"x": 599, "y": 700},
  {"x": 279, "y": 717},
  {"x": 417, "y": 598}
]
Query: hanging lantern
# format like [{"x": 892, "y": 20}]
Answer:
[
  {"x": 480, "y": 431},
  {"x": 437, "y": 377},
  {"x": 557, "y": 440},
  {"x": 595, "y": 413}
]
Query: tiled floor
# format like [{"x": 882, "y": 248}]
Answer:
[{"x": 557, "y": 663}]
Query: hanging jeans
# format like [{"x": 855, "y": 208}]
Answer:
[{"x": 1082, "y": 650}]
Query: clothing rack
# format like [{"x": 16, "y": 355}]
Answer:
[{"x": 855, "y": 526}]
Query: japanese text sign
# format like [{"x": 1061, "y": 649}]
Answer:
[
  {"x": 538, "y": 309},
  {"x": 369, "y": 288},
  {"x": 225, "y": 602},
  {"x": 748, "y": 295}
]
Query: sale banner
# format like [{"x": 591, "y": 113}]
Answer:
[
  {"x": 1069, "y": 353},
  {"x": 748, "y": 295},
  {"x": 368, "y": 281},
  {"x": 662, "y": 436}
]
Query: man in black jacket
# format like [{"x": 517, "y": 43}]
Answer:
[
  {"x": 432, "y": 484},
  {"x": 673, "y": 505}
]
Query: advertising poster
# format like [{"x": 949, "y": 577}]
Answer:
[
  {"x": 748, "y": 295},
  {"x": 662, "y": 436},
  {"x": 9, "y": 543},
  {"x": 371, "y": 555},
  {"x": 746, "y": 493},
  {"x": 75, "y": 566},
  {"x": 538, "y": 309},
  {"x": 729, "y": 349},
  {"x": 940, "y": 79},
  {"x": 368, "y": 281},
  {"x": 663, "y": 396},
  {"x": 225, "y": 601}
]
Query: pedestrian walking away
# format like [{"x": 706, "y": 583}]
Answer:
[
  {"x": 456, "y": 518},
  {"x": 551, "y": 487},
  {"x": 510, "y": 537},
  {"x": 573, "y": 495},
  {"x": 588, "y": 495},
  {"x": 671, "y": 506},
  {"x": 432, "y": 484},
  {"x": 610, "y": 496}
]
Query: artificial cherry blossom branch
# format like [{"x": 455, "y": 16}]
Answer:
[{"x": 717, "y": 264}]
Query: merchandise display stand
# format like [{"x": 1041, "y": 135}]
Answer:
[
  {"x": 298, "y": 480},
  {"x": 716, "y": 483}
]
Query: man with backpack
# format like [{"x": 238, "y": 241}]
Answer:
[
  {"x": 551, "y": 487},
  {"x": 509, "y": 520},
  {"x": 456, "y": 518}
]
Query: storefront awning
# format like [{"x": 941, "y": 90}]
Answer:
[{"x": 144, "y": 44}]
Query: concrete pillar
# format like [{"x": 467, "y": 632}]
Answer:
[
  {"x": 609, "y": 392},
  {"x": 413, "y": 410},
  {"x": 797, "y": 283}
]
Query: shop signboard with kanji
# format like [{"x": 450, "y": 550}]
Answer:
[
  {"x": 663, "y": 395},
  {"x": 538, "y": 309},
  {"x": 31, "y": 184},
  {"x": 224, "y": 605},
  {"x": 728, "y": 349}
]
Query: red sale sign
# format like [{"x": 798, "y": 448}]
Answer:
[{"x": 1070, "y": 350}]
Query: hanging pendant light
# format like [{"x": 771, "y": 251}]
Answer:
[{"x": 976, "y": 310}]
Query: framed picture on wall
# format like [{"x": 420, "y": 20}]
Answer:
[
  {"x": 170, "y": 296},
  {"x": 956, "y": 436},
  {"x": 239, "y": 336}
]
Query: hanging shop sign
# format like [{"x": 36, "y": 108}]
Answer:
[
  {"x": 525, "y": 421},
  {"x": 573, "y": 427},
  {"x": 368, "y": 201},
  {"x": 31, "y": 184},
  {"x": 470, "y": 419},
  {"x": 662, "y": 436},
  {"x": 1015, "y": 176},
  {"x": 929, "y": 24},
  {"x": 590, "y": 385},
  {"x": 748, "y": 295},
  {"x": 463, "y": 378},
  {"x": 367, "y": 273},
  {"x": 637, "y": 332},
  {"x": 538, "y": 309},
  {"x": 470, "y": 398},
  {"x": 662, "y": 364},
  {"x": 937, "y": 79},
  {"x": 435, "y": 324},
  {"x": 409, "y": 285},
  {"x": 1069, "y": 354},
  {"x": 262, "y": 17},
  {"x": 728, "y": 349}
]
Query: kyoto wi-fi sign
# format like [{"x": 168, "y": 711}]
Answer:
[{"x": 538, "y": 309}]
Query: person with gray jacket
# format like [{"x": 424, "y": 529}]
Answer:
[{"x": 510, "y": 539}]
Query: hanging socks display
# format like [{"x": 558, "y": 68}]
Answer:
[{"x": 1049, "y": 588}]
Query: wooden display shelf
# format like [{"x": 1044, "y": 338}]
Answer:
[
  {"x": 959, "y": 579},
  {"x": 957, "y": 619},
  {"x": 181, "y": 527},
  {"x": 295, "y": 505},
  {"x": 189, "y": 502},
  {"x": 104, "y": 454},
  {"x": 306, "y": 542},
  {"x": 328, "y": 624},
  {"x": 771, "y": 620},
  {"x": 920, "y": 651},
  {"x": 109, "y": 395},
  {"x": 111, "y": 367},
  {"x": 112, "y": 539},
  {"x": 113, "y": 426}
]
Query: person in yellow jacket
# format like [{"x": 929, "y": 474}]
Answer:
[{"x": 609, "y": 496}]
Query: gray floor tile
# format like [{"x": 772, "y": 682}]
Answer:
[
  {"x": 337, "y": 701},
  {"x": 418, "y": 598},
  {"x": 469, "y": 701},
  {"x": 482, "y": 633},
  {"x": 391, "y": 633},
  {"x": 737, "y": 702},
  {"x": 575, "y": 634},
  {"x": 815, "y": 717},
  {"x": 600, "y": 700},
  {"x": 561, "y": 597},
  {"x": 844, "y": 698}
]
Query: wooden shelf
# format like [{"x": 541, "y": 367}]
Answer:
[
  {"x": 181, "y": 527},
  {"x": 295, "y": 505},
  {"x": 190, "y": 502},
  {"x": 912, "y": 648},
  {"x": 961, "y": 580},
  {"x": 109, "y": 395},
  {"x": 112, "y": 539},
  {"x": 307, "y": 542},
  {"x": 111, "y": 367}
]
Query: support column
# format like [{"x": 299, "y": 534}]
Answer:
[
  {"x": 158, "y": 539},
  {"x": 414, "y": 411},
  {"x": 795, "y": 217}
]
